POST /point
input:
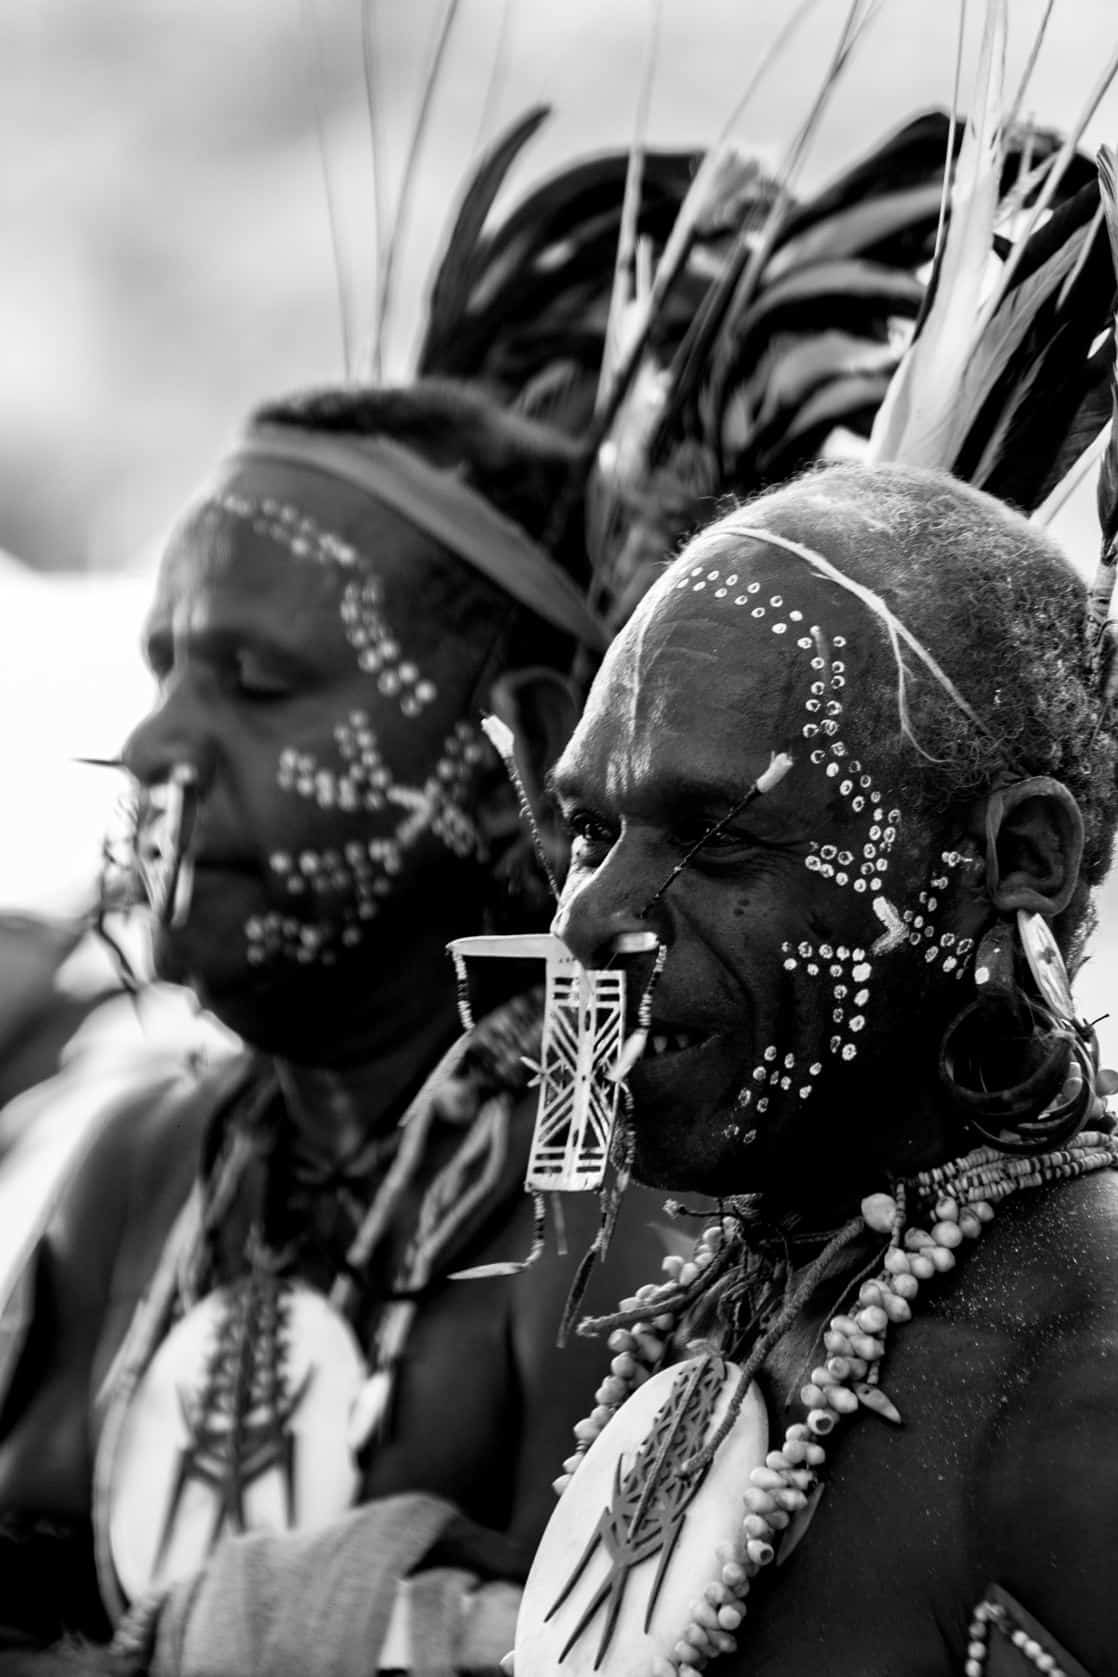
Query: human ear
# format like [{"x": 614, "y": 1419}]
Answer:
[{"x": 1034, "y": 846}]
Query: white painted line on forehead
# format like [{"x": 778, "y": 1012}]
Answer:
[{"x": 894, "y": 627}]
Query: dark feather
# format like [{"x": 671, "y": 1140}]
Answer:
[
  {"x": 538, "y": 286},
  {"x": 1087, "y": 421},
  {"x": 891, "y": 227},
  {"x": 911, "y": 157},
  {"x": 1034, "y": 373},
  {"x": 850, "y": 400},
  {"x": 450, "y": 283}
]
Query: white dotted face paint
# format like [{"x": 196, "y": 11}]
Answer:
[
  {"x": 859, "y": 866},
  {"x": 927, "y": 926},
  {"x": 337, "y": 890}
]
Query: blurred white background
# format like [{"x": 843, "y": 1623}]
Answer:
[{"x": 167, "y": 262}]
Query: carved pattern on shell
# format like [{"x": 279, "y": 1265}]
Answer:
[{"x": 649, "y": 1502}]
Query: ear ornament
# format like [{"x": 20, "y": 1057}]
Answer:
[{"x": 1020, "y": 1068}]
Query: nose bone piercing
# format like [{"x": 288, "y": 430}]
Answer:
[{"x": 163, "y": 847}]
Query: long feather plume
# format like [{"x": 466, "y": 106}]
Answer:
[
  {"x": 1053, "y": 180},
  {"x": 1036, "y": 392},
  {"x": 621, "y": 295},
  {"x": 387, "y": 266},
  {"x": 449, "y": 299},
  {"x": 1080, "y": 469},
  {"x": 1007, "y": 332},
  {"x": 1102, "y": 586},
  {"x": 953, "y": 123},
  {"x": 705, "y": 189},
  {"x": 917, "y": 421},
  {"x": 313, "y": 60},
  {"x": 742, "y": 273},
  {"x": 1084, "y": 252}
]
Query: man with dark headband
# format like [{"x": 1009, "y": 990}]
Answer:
[
  {"x": 869, "y": 1426},
  {"x": 246, "y": 1317}
]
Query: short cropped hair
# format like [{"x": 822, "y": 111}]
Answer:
[
  {"x": 997, "y": 604},
  {"x": 523, "y": 468}
]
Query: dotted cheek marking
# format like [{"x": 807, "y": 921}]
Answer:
[
  {"x": 360, "y": 874},
  {"x": 863, "y": 865},
  {"x": 846, "y": 971},
  {"x": 378, "y": 651},
  {"x": 774, "y": 1073},
  {"x": 924, "y": 926},
  {"x": 355, "y": 877}
]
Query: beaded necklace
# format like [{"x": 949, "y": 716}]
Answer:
[{"x": 959, "y": 1197}]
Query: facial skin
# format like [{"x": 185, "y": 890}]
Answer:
[
  {"x": 792, "y": 934},
  {"x": 323, "y": 718}
]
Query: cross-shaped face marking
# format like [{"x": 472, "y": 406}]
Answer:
[{"x": 338, "y": 766}]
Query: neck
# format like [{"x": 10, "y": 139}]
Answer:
[
  {"x": 349, "y": 1061},
  {"x": 818, "y": 1184},
  {"x": 337, "y": 1107}
]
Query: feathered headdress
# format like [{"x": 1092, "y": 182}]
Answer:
[
  {"x": 701, "y": 329},
  {"x": 1009, "y": 382}
]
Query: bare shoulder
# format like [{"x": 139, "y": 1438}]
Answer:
[
  {"x": 1046, "y": 1493},
  {"x": 1048, "y": 1265},
  {"x": 147, "y": 1128}
]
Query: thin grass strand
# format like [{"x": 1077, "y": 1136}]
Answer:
[
  {"x": 1043, "y": 203},
  {"x": 313, "y": 61},
  {"x": 620, "y": 295},
  {"x": 952, "y": 130},
  {"x": 1014, "y": 112},
  {"x": 402, "y": 215},
  {"x": 895, "y": 629}
]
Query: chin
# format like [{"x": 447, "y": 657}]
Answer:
[
  {"x": 704, "y": 1151},
  {"x": 688, "y": 1132}
]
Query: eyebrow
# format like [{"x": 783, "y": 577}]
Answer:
[
  {"x": 673, "y": 794},
  {"x": 213, "y": 644}
]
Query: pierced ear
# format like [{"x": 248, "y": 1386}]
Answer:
[{"x": 1034, "y": 846}]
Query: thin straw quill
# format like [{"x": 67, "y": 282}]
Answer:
[
  {"x": 1051, "y": 186},
  {"x": 1102, "y": 585},
  {"x": 402, "y": 215},
  {"x": 620, "y": 295},
  {"x": 916, "y": 421}
]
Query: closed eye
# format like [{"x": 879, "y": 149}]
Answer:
[{"x": 254, "y": 678}]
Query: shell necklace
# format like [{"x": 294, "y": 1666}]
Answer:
[{"x": 612, "y": 1588}]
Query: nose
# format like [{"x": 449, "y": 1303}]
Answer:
[
  {"x": 174, "y": 735},
  {"x": 595, "y": 911}
]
